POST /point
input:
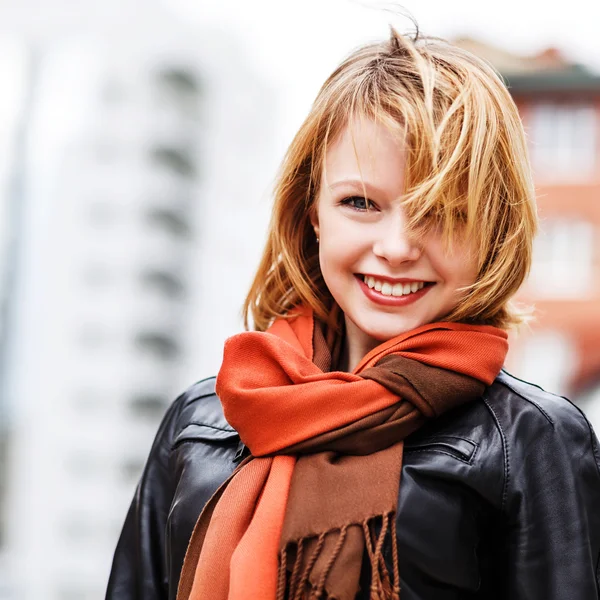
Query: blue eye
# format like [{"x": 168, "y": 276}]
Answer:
[{"x": 357, "y": 203}]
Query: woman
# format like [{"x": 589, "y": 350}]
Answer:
[{"x": 364, "y": 442}]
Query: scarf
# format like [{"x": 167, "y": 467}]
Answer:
[{"x": 317, "y": 497}]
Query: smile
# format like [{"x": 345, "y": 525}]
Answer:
[
  {"x": 393, "y": 293},
  {"x": 393, "y": 289}
]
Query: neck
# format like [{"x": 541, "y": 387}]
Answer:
[
  {"x": 344, "y": 364},
  {"x": 356, "y": 346}
]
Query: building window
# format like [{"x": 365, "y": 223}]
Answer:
[
  {"x": 150, "y": 406},
  {"x": 563, "y": 140},
  {"x": 165, "y": 282},
  {"x": 181, "y": 81},
  {"x": 160, "y": 345},
  {"x": 177, "y": 160},
  {"x": 179, "y": 88},
  {"x": 563, "y": 259},
  {"x": 169, "y": 220}
]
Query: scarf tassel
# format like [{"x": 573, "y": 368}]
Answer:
[{"x": 298, "y": 587}]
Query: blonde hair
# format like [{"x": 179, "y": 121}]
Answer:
[{"x": 467, "y": 170}]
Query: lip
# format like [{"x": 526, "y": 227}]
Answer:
[
  {"x": 391, "y": 280},
  {"x": 377, "y": 297}
]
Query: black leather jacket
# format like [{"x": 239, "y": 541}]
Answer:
[{"x": 500, "y": 499}]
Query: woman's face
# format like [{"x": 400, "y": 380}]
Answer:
[{"x": 385, "y": 280}]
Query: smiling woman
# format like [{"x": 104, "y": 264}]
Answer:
[{"x": 363, "y": 441}]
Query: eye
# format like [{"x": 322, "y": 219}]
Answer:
[{"x": 358, "y": 203}]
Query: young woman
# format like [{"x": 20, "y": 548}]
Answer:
[{"x": 363, "y": 442}]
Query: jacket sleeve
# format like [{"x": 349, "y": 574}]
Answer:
[
  {"x": 139, "y": 569},
  {"x": 553, "y": 506}
]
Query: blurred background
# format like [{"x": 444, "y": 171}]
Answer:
[{"x": 139, "y": 141}]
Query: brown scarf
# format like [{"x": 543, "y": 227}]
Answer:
[{"x": 321, "y": 487}]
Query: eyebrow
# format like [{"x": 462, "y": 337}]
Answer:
[{"x": 358, "y": 184}]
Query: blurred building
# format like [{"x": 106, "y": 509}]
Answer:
[
  {"x": 13, "y": 109},
  {"x": 139, "y": 172},
  {"x": 559, "y": 104}
]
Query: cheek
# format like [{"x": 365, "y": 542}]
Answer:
[
  {"x": 339, "y": 243},
  {"x": 334, "y": 261},
  {"x": 338, "y": 264},
  {"x": 466, "y": 265},
  {"x": 458, "y": 268}
]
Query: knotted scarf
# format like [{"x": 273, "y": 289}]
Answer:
[{"x": 317, "y": 498}]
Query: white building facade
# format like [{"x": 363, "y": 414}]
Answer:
[{"x": 145, "y": 212}]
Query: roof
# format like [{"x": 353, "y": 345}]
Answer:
[{"x": 547, "y": 71}]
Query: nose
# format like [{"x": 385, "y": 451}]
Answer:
[{"x": 394, "y": 243}]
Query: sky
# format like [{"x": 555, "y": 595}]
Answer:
[{"x": 281, "y": 33}]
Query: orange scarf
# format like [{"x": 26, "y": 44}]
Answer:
[{"x": 326, "y": 456}]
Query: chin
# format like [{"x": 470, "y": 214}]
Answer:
[{"x": 383, "y": 333}]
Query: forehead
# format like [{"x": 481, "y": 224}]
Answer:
[{"x": 369, "y": 151}]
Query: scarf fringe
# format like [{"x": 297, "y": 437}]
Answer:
[{"x": 383, "y": 587}]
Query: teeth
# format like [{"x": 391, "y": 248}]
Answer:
[{"x": 398, "y": 289}]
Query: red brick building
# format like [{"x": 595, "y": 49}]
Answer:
[{"x": 559, "y": 102}]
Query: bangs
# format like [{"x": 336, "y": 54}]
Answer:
[{"x": 438, "y": 127}]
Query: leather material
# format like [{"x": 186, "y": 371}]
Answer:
[{"x": 500, "y": 499}]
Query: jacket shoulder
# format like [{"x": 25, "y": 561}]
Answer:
[
  {"x": 514, "y": 398},
  {"x": 540, "y": 432},
  {"x": 199, "y": 406}
]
